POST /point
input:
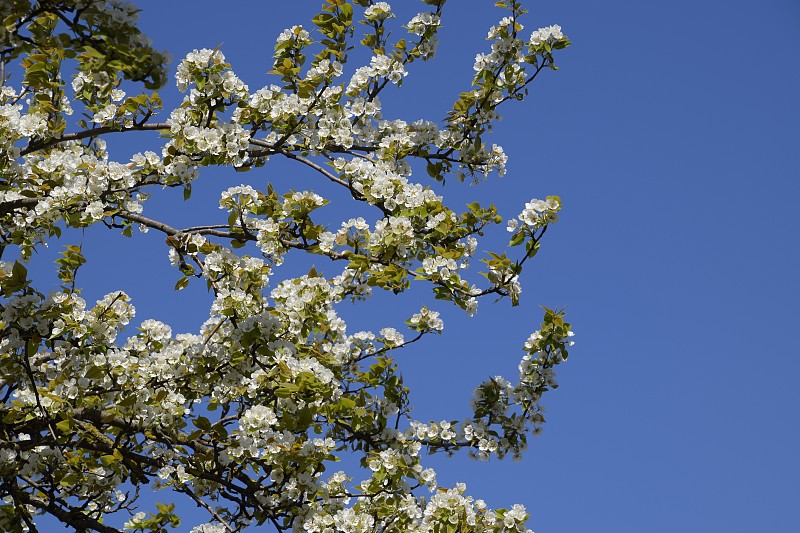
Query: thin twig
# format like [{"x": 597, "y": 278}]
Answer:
[
  {"x": 316, "y": 167},
  {"x": 207, "y": 507}
]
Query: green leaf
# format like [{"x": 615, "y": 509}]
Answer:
[
  {"x": 19, "y": 272},
  {"x": 92, "y": 52},
  {"x": 517, "y": 239},
  {"x": 286, "y": 390},
  {"x": 36, "y": 67},
  {"x": 182, "y": 283},
  {"x": 164, "y": 508},
  {"x": 95, "y": 372},
  {"x": 109, "y": 460},
  {"x": 202, "y": 423}
]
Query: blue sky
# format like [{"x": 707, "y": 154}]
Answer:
[{"x": 671, "y": 133}]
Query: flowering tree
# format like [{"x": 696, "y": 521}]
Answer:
[{"x": 246, "y": 416}]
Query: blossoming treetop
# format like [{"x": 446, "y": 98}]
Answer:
[{"x": 247, "y": 416}]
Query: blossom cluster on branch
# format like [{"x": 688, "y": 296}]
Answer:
[{"x": 246, "y": 416}]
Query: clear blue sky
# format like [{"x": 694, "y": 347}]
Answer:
[{"x": 671, "y": 133}]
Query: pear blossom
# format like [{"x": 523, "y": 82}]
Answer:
[{"x": 246, "y": 412}]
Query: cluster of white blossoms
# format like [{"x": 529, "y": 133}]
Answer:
[
  {"x": 298, "y": 366},
  {"x": 257, "y": 419},
  {"x": 392, "y": 337},
  {"x": 396, "y": 235},
  {"x": 446, "y": 509},
  {"x": 110, "y": 111},
  {"x": 443, "y": 430},
  {"x": 242, "y": 198},
  {"x": 462, "y": 512},
  {"x": 301, "y": 203},
  {"x": 296, "y": 297},
  {"x": 14, "y": 124},
  {"x": 362, "y": 107},
  {"x": 74, "y": 176},
  {"x": 426, "y": 320},
  {"x": 346, "y": 519},
  {"x": 482, "y": 440},
  {"x": 91, "y": 83},
  {"x": 326, "y": 68},
  {"x": 218, "y": 85},
  {"x": 296, "y": 34},
  {"x": 352, "y": 231},
  {"x": 380, "y": 66},
  {"x": 442, "y": 266},
  {"x": 128, "y": 367},
  {"x": 379, "y": 183},
  {"x": 535, "y": 376},
  {"x": 331, "y": 127},
  {"x": 212, "y": 84},
  {"x": 423, "y": 23},
  {"x": 229, "y": 140},
  {"x": 512, "y": 76},
  {"x": 425, "y": 26},
  {"x": 269, "y": 225},
  {"x": 537, "y": 213},
  {"x": 496, "y": 161},
  {"x": 506, "y": 49},
  {"x": 536, "y": 337},
  {"x": 378, "y": 11},
  {"x": 543, "y": 34},
  {"x": 502, "y": 73},
  {"x": 535, "y": 369},
  {"x": 206, "y": 528},
  {"x": 259, "y": 437},
  {"x": 273, "y": 104},
  {"x": 194, "y": 63}
]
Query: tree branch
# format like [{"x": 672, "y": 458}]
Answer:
[
  {"x": 94, "y": 132},
  {"x": 74, "y": 518}
]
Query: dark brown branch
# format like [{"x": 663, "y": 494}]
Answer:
[
  {"x": 73, "y": 518},
  {"x": 95, "y": 132},
  {"x": 11, "y": 205}
]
